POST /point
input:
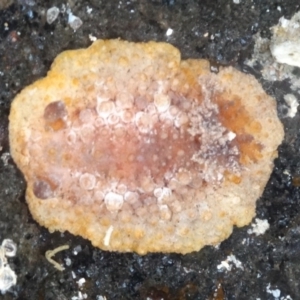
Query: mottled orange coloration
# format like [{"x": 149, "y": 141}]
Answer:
[{"x": 234, "y": 116}]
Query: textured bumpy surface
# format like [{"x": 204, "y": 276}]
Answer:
[{"x": 136, "y": 150}]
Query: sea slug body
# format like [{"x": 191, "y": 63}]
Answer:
[{"x": 137, "y": 150}]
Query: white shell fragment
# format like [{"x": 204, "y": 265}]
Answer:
[
  {"x": 230, "y": 262},
  {"x": 285, "y": 43},
  {"x": 52, "y": 14},
  {"x": 292, "y": 103},
  {"x": 169, "y": 31},
  {"x": 259, "y": 227},
  {"x": 108, "y": 235},
  {"x": 74, "y": 22},
  {"x": 10, "y": 248},
  {"x": 8, "y": 277}
]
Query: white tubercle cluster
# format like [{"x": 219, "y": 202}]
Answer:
[{"x": 145, "y": 148}]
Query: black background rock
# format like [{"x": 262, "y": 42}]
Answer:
[{"x": 220, "y": 31}]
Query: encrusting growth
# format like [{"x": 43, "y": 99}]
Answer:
[{"x": 126, "y": 145}]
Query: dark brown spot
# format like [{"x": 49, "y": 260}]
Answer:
[
  {"x": 54, "y": 115},
  {"x": 42, "y": 189}
]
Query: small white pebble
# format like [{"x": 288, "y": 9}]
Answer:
[
  {"x": 68, "y": 261},
  {"x": 80, "y": 296},
  {"x": 81, "y": 282},
  {"x": 63, "y": 8},
  {"x": 231, "y": 135},
  {"x": 3, "y": 260},
  {"x": 92, "y": 38},
  {"x": 276, "y": 292},
  {"x": 10, "y": 248},
  {"x": 260, "y": 227},
  {"x": 229, "y": 262},
  {"x": 236, "y": 1},
  {"x": 169, "y": 32},
  {"x": 224, "y": 265},
  {"x": 293, "y": 104},
  {"x": 77, "y": 249},
  {"x": 8, "y": 278},
  {"x": 5, "y": 157},
  {"x": 89, "y": 10},
  {"x": 74, "y": 22},
  {"x": 214, "y": 69},
  {"x": 52, "y": 14}
]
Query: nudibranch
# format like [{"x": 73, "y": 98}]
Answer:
[{"x": 129, "y": 146}]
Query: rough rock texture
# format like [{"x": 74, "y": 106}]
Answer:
[{"x": 220, "y": 31}]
